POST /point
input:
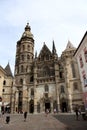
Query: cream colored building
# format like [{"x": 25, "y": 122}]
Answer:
[
  {"x": 81, "y": 56},
  {"x": 44, "y": 81},
  {"x": 6, "y": 82}
]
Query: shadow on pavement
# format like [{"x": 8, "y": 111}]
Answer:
[{"x": 71, "y": 122}]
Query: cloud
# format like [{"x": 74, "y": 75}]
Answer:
[{"x": 61, "y": 20}]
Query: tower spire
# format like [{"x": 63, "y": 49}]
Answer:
[
  {"x": 27, "y": 28},
  {"x": 53, "y": 48}
]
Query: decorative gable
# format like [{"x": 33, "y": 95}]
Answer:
[{"x": 45, "y": 53}]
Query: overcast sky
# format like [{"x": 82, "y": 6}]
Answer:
[{"x": 58, "y": 20}]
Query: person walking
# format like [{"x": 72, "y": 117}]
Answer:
[
  {"x": 25, "y": 115},
  {"x": 47, "y": 112},
  {"x": 54, "y": 110},
  {"x": 77, "y": 113}
]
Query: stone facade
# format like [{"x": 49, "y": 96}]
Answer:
[
  {"x": 6, "y": 83},
  {"x": 44, "y": 81}
]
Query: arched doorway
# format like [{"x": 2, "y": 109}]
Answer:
[
  {"x": 20, "y": 97},
  {"x": 64, "y": 106},
  {"x": 47, "y": 106},
  {"x": 63, "y": 102},
  {"x": 31, "y": 106}
]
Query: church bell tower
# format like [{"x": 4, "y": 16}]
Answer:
[{"x": 23, "y": 63}]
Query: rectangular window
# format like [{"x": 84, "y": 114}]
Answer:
[
  {"x": 84, "y": 78},
  {"x": 81, "y": 61},
  {"x": 85, "y": 54}
]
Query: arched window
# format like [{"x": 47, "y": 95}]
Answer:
[
  {"x": 31, "y": 79},
  {"x": 22, "y": 57},
  {"x": 32, "y": 92},
  {"x": 47, "y": 57},
  {"x": 46, "y": 88},
  {"x": 28, "y": 57},
  {"x": 17, "y": 69},
  {"x": 26, "y": 68},
  {"x": 22, "y": 68},
  {"x": 28, "y": 47},
  {"x": 46, "y": 71},
  {"x": 61, "y": 71},
  {"x": 4, "y": 82},
  {"x": 75, "y": 86},
  {"x": 21, "y": 81},
  {"x": 61, "y": 74},
  {"x": 23, "y": 47},
  {"x": 62, "y": 89}
]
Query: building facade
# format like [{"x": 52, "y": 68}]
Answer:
[
  {"x": 81, "y": 56},
  {"x": 6, "y": 83},
  {"x": 44, "y": 81}
]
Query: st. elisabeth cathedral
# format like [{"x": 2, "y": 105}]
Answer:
[{"x": 44, "y": 81}]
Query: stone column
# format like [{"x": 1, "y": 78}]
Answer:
[
  {"x": 40, "y": 107},
  {"x": 13, "y": 100},
  {"x": 16, "y": 100},
  {"x": 51, "y": 107},
  {"x": 25, "y": 96},
  {"x": 56, "y": 86},
  {"x": 70, "y": 102},
  {"x": 35, "y": 90},
  {"x": 35, "y": 105}
]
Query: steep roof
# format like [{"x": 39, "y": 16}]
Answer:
[
  {"x": 45, "y": 50},
  {"x": 80, "y": 43},
  {"x": 8, "y": 70},
  {"x": 69, "y": 45},
  {"x": 2, "y": 69}
]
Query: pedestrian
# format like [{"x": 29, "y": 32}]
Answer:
[
  {"x": 54, "y": 110},
  {"x": 7, "y": 118},
  {"x": 79, "y": 110},
  {"x": 47, "y": 112},
  {"x": 25, "y": 115},
  {"x": 77, "y": 113}
]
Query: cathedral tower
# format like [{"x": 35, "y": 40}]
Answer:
[
  {"x": 23, "y": 62},
  {"x": 24, "y": 52}
]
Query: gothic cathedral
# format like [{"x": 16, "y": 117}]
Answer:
[{"x": 44, "y": 81}]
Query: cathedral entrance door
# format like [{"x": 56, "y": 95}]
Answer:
[
  {"x": 47, "y": 106},
  {"x": 31, "y": 106},
  {"x": 64, "y": 107}
]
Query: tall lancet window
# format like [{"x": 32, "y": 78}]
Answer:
[
  {"x": 46, "y": 88},
  {"x": 73, "y": 70},
  {"x": 23, "y": 47},
  {"x": 22, "y": 68},
  {"x": 32, "y": 92},
  {"x": 62, "y": 89}
]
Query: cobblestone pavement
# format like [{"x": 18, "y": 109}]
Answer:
[
  {"x": 33, "y": 122},
  {"x": 70, "y": 120}
]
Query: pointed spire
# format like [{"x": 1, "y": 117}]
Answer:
[
  {"x": 69, "y": 45},
  {"x": 8, "y": 70},
  {"x": 53, "y": 48}
]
